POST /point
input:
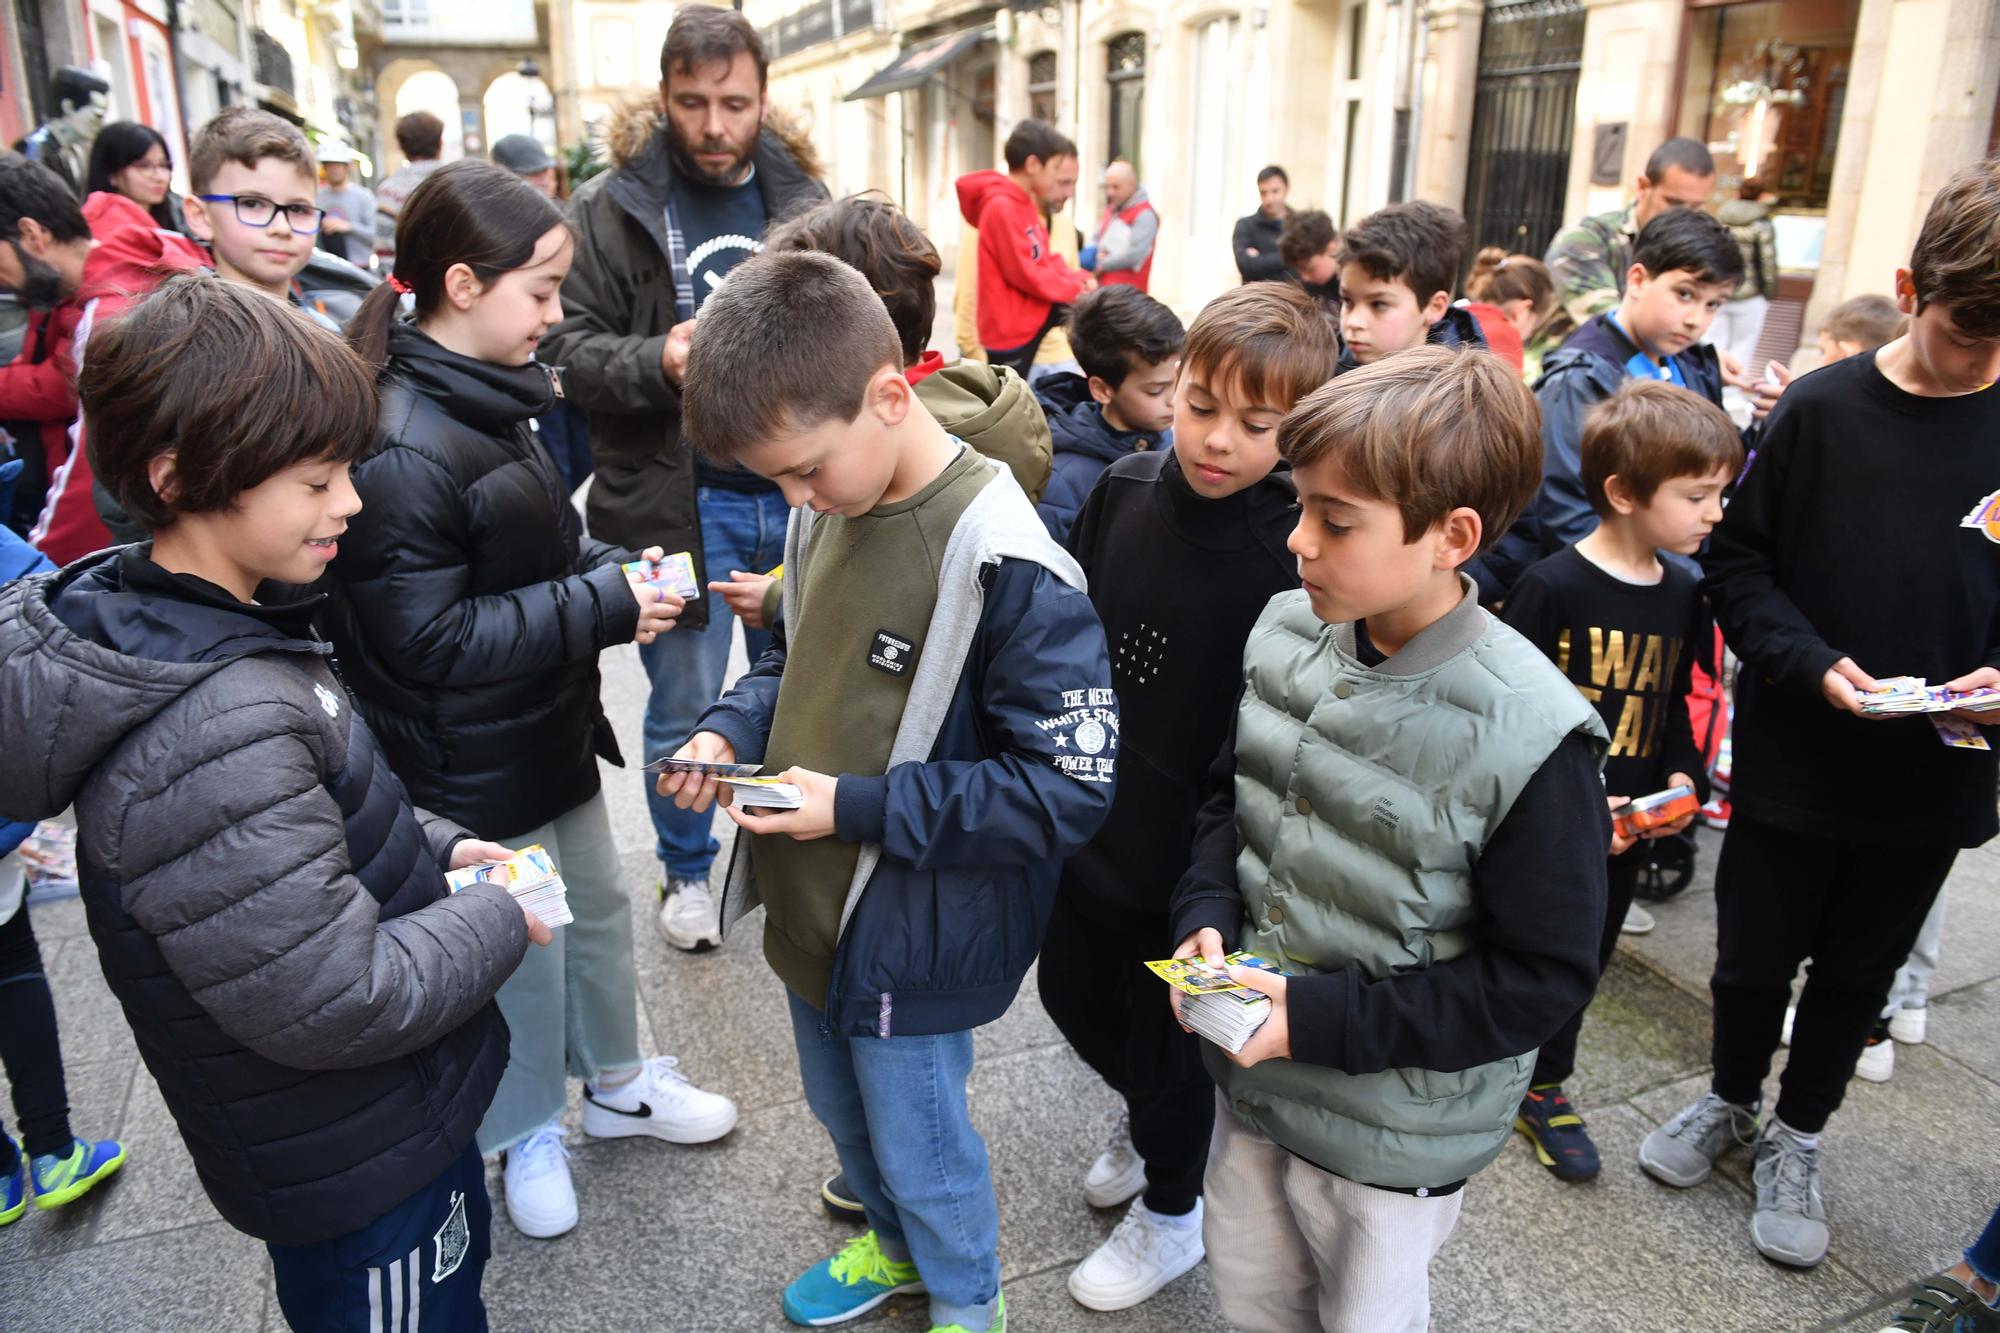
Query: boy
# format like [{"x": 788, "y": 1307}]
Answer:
[
  {"x": 1623, "y": 625},
  {"x": 952, "y": 730},
  {"x": 1309, "y": 248},
  {"x": 1182, "y": 548},
  {"x": 1684, "y": 266},
  {"x": 1129, "y": 347},
  {"x": 82, "y": 265},
  {"x": 269, "y": 910},
  {"x": 1415, "y": 793},
  {"x": 348, "y": 229},
  {"x": 1859, "y": 324},
  {"x": 1397, "y": 269},
  {"x": 256, "y": 200},
  {"x": 1904, "y": 441}
]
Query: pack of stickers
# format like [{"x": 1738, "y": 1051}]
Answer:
[
  {"x": 1901, "y": 695},
  {"x": 674, "y": 574}
]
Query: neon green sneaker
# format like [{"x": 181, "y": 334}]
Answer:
[
  {"x": 999, "y": 1324},
  {"x": 849, "y": 1285},
  {"x": 61, "y": 1180},
  {"x": 14, "y": 1188}
]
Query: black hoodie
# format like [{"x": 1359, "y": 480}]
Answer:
[{"x": 468, "y": 609}]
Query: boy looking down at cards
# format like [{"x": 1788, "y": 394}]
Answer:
[
  {"x": 1410, "y": 819},
  {"x": 1623, "y": 625},
  {"x": 1863, "y": 541},
  {"x": 952, "y": 729},
  {"x": 1182, "y": 547}
]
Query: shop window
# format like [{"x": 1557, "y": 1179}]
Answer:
[
  {"x": 1126, "y": 73},
  {"x": 1217, "y": 127},
  {"x": 1042, "y": 86}
]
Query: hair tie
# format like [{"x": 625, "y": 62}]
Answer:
[{"x": 396, "y": 284}]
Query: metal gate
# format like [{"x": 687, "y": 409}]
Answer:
[
  {"x": 34, "y": 59},
  {"x": 1522, "y": 116}
]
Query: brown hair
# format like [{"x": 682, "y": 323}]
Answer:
[
  {"x": 236, "y": 385},
  {"x": 1306, "y": 233},
  {"x": 1037, "y": 139},
  {"x": 1957, "y": 259},
  {"x": 710, "y": 35},
  {"x": 246, "y": 136},
  {"x": 1427, "y": 430},
  {"x": 1498, "y": 277},
  {"x": 1648, "y": 433},
  {"x": 1270, "y": 336},
  {"x": 790, "y": 342},
  {"x": 872, "y": 235},
  {"x": 420, "y": 135},
  {"x": 1867, "y": 321},
  {"x": 1419, "y": 244}
]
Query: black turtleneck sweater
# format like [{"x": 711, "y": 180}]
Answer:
[{"x": 1178, "y": 581}]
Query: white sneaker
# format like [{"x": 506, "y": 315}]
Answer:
[
  {"x": 689, "y": 917},
  {"x": 541, "y": 1200},
  {"x": 1118, "y": 1174},
  {"x": 1638, "y": 921},
  {"x": 1908, "y": 1025},
  {"x": 1143, "y": 1253},
  {"x": 660, "y": 1102},
  {"x": 1878, "y": 1062}
]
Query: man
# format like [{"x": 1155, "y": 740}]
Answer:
[
  {"x": 1025, "y": 287},
  {"x": 63, "y": 143},
  {"x": 1122, "y": 251},
  {"x": 421, "y": 137},
  {"x": 348, "y": 229},
  {"x": 1589, "y": 261},
  {"x": 654, "y": 237},
  {"x": 1256, "y": 239},
  {"x": 524, "y": 155}
]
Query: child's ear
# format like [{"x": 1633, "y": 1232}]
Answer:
[
  {"x": 1435, "y": 307},
  {"x": 1458, "y": 535},
  {"x": 1619, "y": 496},
  {"x": 1906, "y": 292},
  {"x": 890, "y": 396},
  {"x": 160, "y": 475},
  {"x": 1100, "y": 390},
  {"x": 1635, "y": 277},
  {"x": 196, "y": 213},
  {"x": 462, "y": 286}
]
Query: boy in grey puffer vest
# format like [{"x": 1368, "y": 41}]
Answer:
[{"x": 1410, "y": 823}]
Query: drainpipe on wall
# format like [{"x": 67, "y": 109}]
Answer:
[
  {"x": 180, "y": 74},
  {"x": 1419, "y": 61}
]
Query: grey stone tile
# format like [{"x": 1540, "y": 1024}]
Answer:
[
  {"x": 161, "y": 1191},
  {"x": 97, "y": 1099},
  {"x": 60, "y": 920},
  {"x": 89, "y": 1018},
  {"x": 1640, "y": 1031},
  {"x": 1971, "y": 924},
  {"x": 1041, "y": 1303},
  {"x": 198, "y": 1280},
  {"x": 1965, "y": 1025}
]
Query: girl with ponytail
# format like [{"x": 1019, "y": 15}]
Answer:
[
  {"x": 1520, "y": 288},
  {"x": 468, "y": 615}
]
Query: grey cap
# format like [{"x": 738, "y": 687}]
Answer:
[{"x": 521, "y": 154}]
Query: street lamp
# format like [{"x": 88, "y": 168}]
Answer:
[{"x": 541, "y": 103}]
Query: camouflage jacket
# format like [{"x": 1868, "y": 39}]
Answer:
[{"x": 1588, "y": 263}]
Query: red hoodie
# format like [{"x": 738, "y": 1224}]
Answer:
[
  {"x": 1020, "y": 274},
  {"x": 132, "y": 254}
]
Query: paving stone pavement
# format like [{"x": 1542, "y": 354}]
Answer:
[{"x": 702, "y": 1239}]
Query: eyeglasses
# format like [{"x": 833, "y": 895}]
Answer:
[
  {"x": 254, "y": 212},
  {"x": 162, "y": 168}
]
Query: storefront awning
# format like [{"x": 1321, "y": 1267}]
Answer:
[{"x": 917, "y": 63}]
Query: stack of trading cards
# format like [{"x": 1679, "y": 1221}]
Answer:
[
  {"x": 674, "y": 574},
  {"x": 530, "y": 878},
  {"x": 1911, "y": 694},
  {"x": 750, "y": 788},
  {"x": 1217, "y": 1008}
]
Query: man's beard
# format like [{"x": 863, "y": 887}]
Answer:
[
  {"x": 686, "y": 165},
  {"x": 41, "y": 288}
]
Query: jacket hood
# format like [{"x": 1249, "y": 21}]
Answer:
[
  {"x": 1077, "y": 423},
  {"x": 978, "y": 189},
  {"x": 983, "y": 401},
  {"x": 485, "y": 396},
  {"x": 132, "y": 252},
  {"x": 93, "y": 651},
  {"x": 635, "y": 134}
]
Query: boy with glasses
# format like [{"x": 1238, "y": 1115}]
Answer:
[{"x": 256, "y": 200}]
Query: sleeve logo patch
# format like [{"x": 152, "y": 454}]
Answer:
[
  {"x": 1085, "y": 735},
  {"x": 892, "y": 653}
]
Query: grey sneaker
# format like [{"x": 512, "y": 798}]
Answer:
[
  {"x": 1682, "y": 1151},
  {"x": 1789, "y": 1225}
]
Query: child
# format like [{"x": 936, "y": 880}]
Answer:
[
  {"x": 1415, "y": 793},
  {"x": 1859, "y": 324},
  {"x": 469, "y": 615},
  {"x": 268, "y": 908},
  {"x": 1182, "y": 549},
  {"x": 1685, "y": 264},
  {"x": 1519, "y": 288},
  {"x": 952, "y": 729},
  {"x": 1309, "y": 248},
  {"x": 1129, "y": 346},
  {"x": 256, "y": 200},
  {"x": 1623, "y": 625},
  {"x": 1899, "y": 441},
  {"x": 1397, "y": 270}
]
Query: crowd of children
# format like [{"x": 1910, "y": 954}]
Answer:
[{"x": 1330, "y": 640}]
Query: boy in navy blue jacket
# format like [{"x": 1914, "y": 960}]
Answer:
[
  {"x": 954, "y": 734},
  {"x": 1129, "y": 346}
]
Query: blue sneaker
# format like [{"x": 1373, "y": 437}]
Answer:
[
  {"x": 849, "y": 1285},
  {"x": 61, "y": 1180},
  {"x": 14, "y": 1188},
  {"x": 1553, "y": 1126}
]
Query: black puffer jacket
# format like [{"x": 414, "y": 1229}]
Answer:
[
  {"x": 267, "y": 907},
  {"x": 469, "y": 611}
]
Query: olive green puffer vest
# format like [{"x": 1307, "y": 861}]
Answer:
[{"x": 1363, "y": 799}]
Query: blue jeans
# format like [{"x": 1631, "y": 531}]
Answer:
[
  {"x": 896, "y": 1110},
  {"x": 739, "y": 530},
  {"x": 1984, "y": 1255}
]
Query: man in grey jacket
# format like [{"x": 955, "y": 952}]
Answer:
[{"x": 1122, "y": 251}]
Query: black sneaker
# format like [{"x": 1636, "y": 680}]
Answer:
[
  {"x": 1553, "y": 1126},
  {"x": 839, "y": 1201},
  {"x": 1943, "y": 1304}
]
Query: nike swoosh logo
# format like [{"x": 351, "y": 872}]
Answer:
[{"x": 644, "y": 1112}]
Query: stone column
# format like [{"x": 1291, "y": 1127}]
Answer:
[
  {"x": 1628, "y": 76},
  {"x": 1447, "y": 85}
]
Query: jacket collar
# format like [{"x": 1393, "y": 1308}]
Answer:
[
  {"x": 643, "y": 185},
  {"x": 1440, "y": 641},
  {"x": 484, "y": 396}
]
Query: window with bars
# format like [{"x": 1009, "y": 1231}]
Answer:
[
  {"x": 1042, "y": 86},
  {"x": 1125, "y": 71}
]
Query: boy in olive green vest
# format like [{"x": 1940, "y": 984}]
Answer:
[{"x": 1415, "y": 798}]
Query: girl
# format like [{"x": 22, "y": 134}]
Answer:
[
  {"x": 1520, "y": 287},
  {"x": 133, "y": 160},
  {"x": 469, "y": 616}
]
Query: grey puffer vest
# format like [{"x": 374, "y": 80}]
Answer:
[{"x": 1363, "y": 799}]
